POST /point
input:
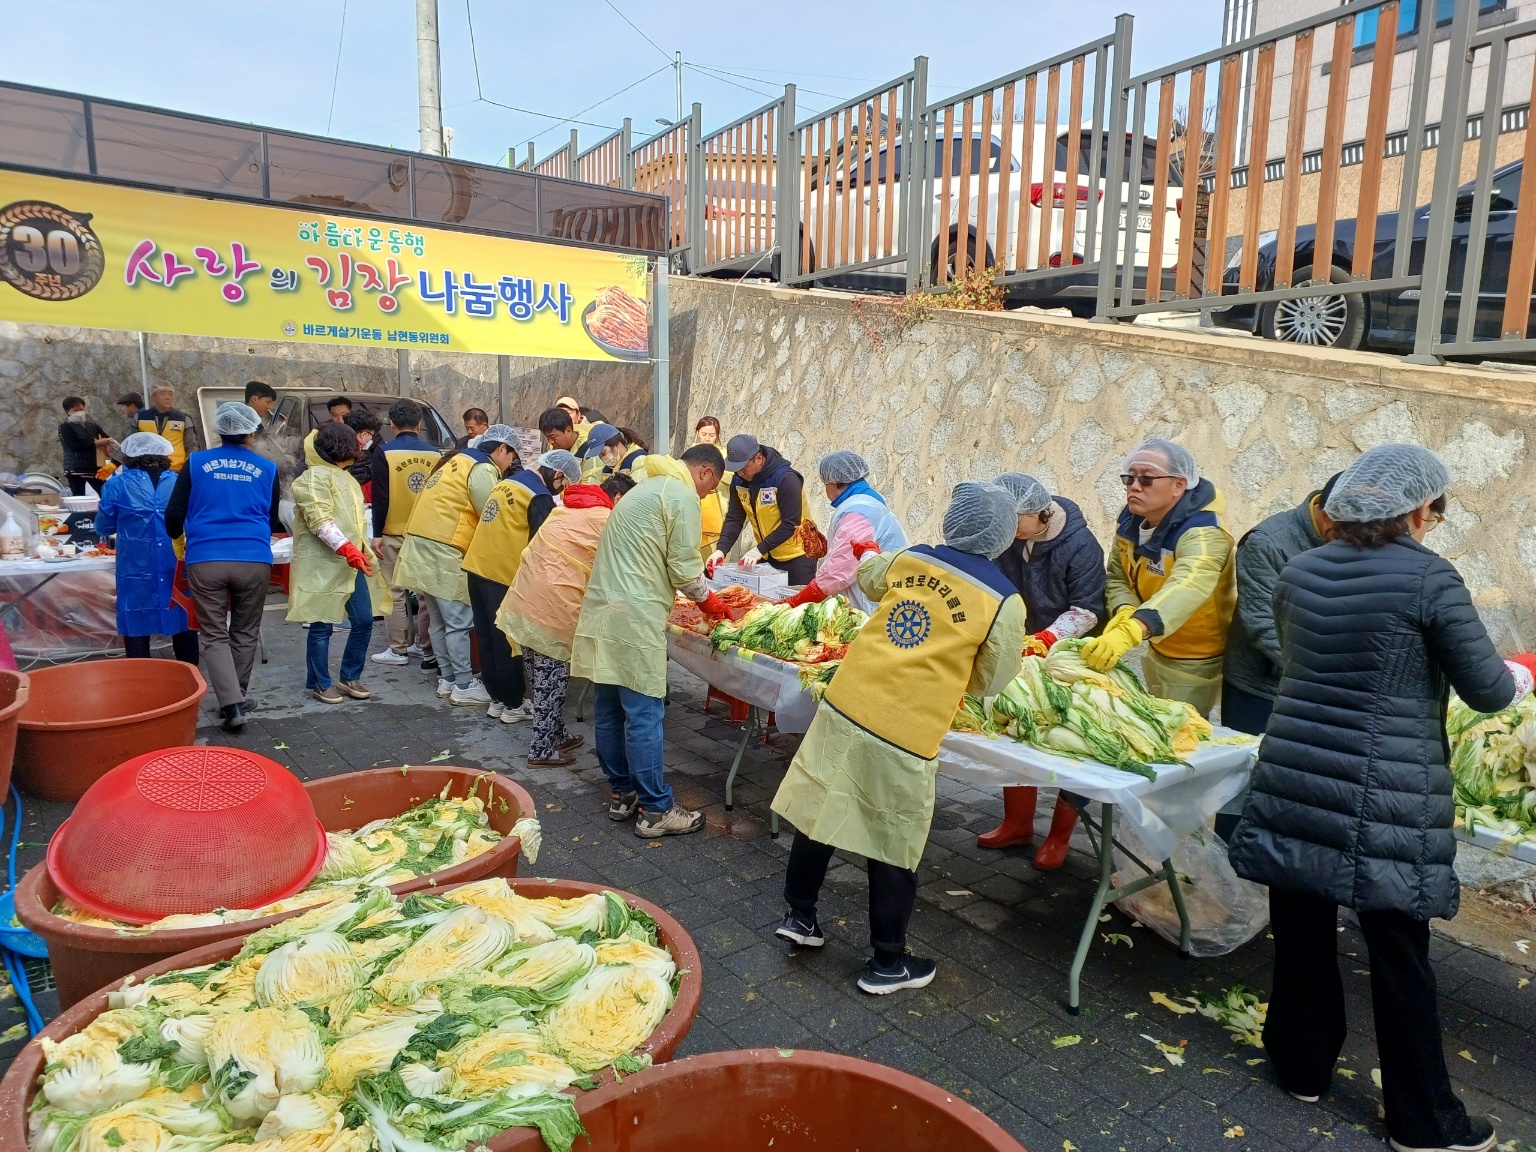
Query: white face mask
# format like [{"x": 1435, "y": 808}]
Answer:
[
  {"x": 364, "y": 441},
  {"x": 77, "y": 417}
]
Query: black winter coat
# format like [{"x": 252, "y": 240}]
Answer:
[
  {"x": 1067, "y": 572},
  {"x": 1351, "y": 798}
]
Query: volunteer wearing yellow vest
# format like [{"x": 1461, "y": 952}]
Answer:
[
  {"x": 431, "y": 561},
  {"x": 400, "y": 471},
  {"x": 517, "y": 507},
  {"x": 767, "y": 491},
  {"x": 712, "y": 506},
  {"x": 579, "y": 423},
  {"x": 948, "y": 623},
  {"x": 1169, "y": 578},
  {"x": 167, "y": 420}
]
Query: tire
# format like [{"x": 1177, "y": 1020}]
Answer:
[
  {"x": 954, "y": 250},
  {"x": 776, "y": 265},
  {"x": 1317, "y": 321}
]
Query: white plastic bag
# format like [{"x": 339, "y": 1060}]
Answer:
[{"x": 1225, "y": 911}]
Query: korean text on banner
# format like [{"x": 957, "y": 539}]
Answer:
[{"x": 95, "y": 255}]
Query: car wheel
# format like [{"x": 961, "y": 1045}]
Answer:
[
  {"x": 776, "y": 265},
  {"x": 953, "y": 256},
  {"x": 1317, "y": 321}
]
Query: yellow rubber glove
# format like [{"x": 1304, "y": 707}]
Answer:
[{"x": 1120, "y": 635}]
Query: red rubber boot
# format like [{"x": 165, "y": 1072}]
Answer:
[
  {"x": 1050, "y": 854},
  {"x": 1018, "y": 826}
]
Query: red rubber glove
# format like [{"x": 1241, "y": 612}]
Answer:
[
  {"x": 862, "y": 548},
  {"x": 714, "y": 608},
  {"x": 810, "y": 594},
  {"x": 1039, "y": 643},
  {"x": 1526, "y": 660},
  {"x": 353, "y": 555}
]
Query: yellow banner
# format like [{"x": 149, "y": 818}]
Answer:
[{"x": 100, "y": 256}]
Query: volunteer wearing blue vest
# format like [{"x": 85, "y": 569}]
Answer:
[
  {"x": 948, "y": 623},
  {"x": 519, "y": 503},
  {"x": 859, "y": 518},
  {"x": 225, "y": 503},
  {"x": 767, "y": 490}
]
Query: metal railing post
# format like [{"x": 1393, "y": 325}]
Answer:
[
  {"x": 661, "y": 355},
  {"x": 530, "y": 155},
  {"x": 697, "y": 180},
  {"x": 1110, "y": 232},
  {"x": 1442, "y": 201},
  {"x": 626, "y": 156},
  {"x": 574, "y": 174},
  {"x": 786, "y": 191},
  {"x": 916, "y": 172}
]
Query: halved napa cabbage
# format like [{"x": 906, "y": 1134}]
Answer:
[
  {"x": 91, "y": 1075},
  {"x": 467, "y": 940},
  {"x": 496, "y": 897},
  {"x": 506, "y": 1059},
  {"x": 373, "y": 1050},
  {"x": 639, "y": 953},
  {"x": 613, "y": 1010},
  {"x": 546, "y": 972},
  {"x": 319, "y": 966},
  {"x": 262, "y": 1054}
]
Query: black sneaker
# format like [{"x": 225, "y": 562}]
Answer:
[
  {"x": 908, "y": 972},
  {"x": 232, "y": 717},
  {"x": 797, "y": 931},
  {"x": 429, "y": 664},
  {"x": 622, "y": 808},
  {"x": 1478, "y": 1137}
]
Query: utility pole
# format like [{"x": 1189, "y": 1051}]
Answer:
[
  {"x": 677, "y": 69},
  {"x": 429, "y": 78}
]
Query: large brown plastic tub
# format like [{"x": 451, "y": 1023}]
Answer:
[
  {"x": 13, "y": 698},
  {"x": 85, "y": 958},
  {"x": 21, "y": 1080},
  {"x": 756, "y": 1097},
  {"x": 83, "y": 720}
]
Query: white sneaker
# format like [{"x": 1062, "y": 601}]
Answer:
[
  {"x": 470, "y": 696},
  {"x": 523, "y": 712},
  {"x": 496, "y": 709},
  {"x": 414, "y": 650},
  {"x": 390, "y": 656},
  {"x": 444, "y": 688}
]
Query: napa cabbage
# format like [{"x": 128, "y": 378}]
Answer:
[{"x": 613, "y": 1010}]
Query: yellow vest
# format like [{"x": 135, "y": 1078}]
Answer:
[
  {"x": 907, "y": 670},
  {"x": 1203, "y": 635},
  {"x": 408, "y": 471},
  {"x": 497, "y": 550},
  {"x": 763, "y": 511},
  {"x": 444, "y": 511},
  {"x": 175, "y": 431}
]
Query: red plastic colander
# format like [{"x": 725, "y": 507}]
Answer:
[{"x": 187, "y": 830}]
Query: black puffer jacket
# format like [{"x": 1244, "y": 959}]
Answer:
[
  {"x": 1351, "y": 799},
  {"x": 1066, "y": 572}
]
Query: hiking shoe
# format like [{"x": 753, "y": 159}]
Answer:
[
  {"x": 1479, "y": 1137},
  {"x": 354, "y": 689},
  {"x": 676, "y": 822},
  {"x": 327, "y": 695},
  {"x": 622, "y": 806},
  {"x": 558, "y": 760},
  {"x": 429, "y": 664},
  {"x": 496, "y": 709},
  {"x": 444, "y": 688},
  {"x": 472, "y": 695},
  {"x": 519, "y": 715},
  {"x": 908, "y": 972},
  {"x": 390, "y": 656},
  {"x": 797, "y": 931},
  {"x": 571, "y": 743}
]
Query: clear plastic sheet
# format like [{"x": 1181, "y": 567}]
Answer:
[
  {"x": 759, "y": 680},
  {"x": 1225, "y": 911},
  {"x": 71, "y": 615}
]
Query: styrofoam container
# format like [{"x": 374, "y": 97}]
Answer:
[
  {"x": 81, "y": 503},
  {"x": 763, "y": 580}
]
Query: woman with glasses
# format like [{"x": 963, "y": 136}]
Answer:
[
  {"x": 1352, "y": 800},
  {"x": 1170, "y": 579}
]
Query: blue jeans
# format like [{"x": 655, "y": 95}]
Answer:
[
  {"x": 629, "y": 744},
  {"x": 317, "y": 648}
]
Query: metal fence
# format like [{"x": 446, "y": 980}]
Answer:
[
  {"x": 608, "y": 161},
  {"x": 561, "y": 163},
  {"x": 661, "y": 165},
  {"x": 740, "y": 179}
]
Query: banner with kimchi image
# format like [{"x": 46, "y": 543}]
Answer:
[{"x": 94, "y": 255}]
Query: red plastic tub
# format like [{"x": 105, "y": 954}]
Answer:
[
  {"x": 85, "y": 958},
  {"x": 21, "y": 1080},
  {"x": 82, "y": 720},
  {"x": 13, "y": 698},
  {"x": 763, "y": 1098}
]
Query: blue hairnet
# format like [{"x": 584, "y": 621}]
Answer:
[
  {"x": 980, "y": 519},
  {"x": 1386, "y": 482},
  {"x": 1029, "y": 495}
]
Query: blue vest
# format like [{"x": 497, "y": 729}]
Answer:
[
  {"x": 889, "y": 534},
  {"x": 230, "y": 509}
]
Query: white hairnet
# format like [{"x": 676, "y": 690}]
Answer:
[
  {"x": 497, "y": 434},
  {"x": 843, "y": 467},
  {"x": 980, "y": 519},
  {"x": 146, "y": 444},
  {"x": 1029, "y": 495},
  {"x": 236, "y": 419},
  {"x": 1165, "y": 454},
  {"x": 1387, "y": 481},
  {"x": 559, "y": 460}
]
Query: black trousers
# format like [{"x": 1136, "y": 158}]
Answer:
[
  {"x": 501, "y": 672},
  {"x": 800, "y": 570},
  {"x": 183, "y": 644},
  {"x": 892, "y": 895},
  {"x": 1304, "y": 1031}
]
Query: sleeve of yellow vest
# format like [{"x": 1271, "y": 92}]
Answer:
[
  {"x": 1198, "y": 561},
  {"x": 871, "y": 574},
  {"x": 1118, "y": 592},
  {"x": 681, "y": 510},
  {"x": 998, "y": 661},
  {"x": 482, "y": 478}
]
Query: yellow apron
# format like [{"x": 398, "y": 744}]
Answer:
[
  {"x": 444, "y": 511},
  {"x": 497, "y": 549},
  {"x": 408, "y": 472},
  {"x": 762, "y": 510}
]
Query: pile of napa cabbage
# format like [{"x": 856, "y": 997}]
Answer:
[
  {"x": 1493, "y": 760},
  {"x": 368, "y": 1023},
  {"x": 435, "y": 834},
  {"x": 808, "y": 633},
  {"x": 1059, "y": 704}
]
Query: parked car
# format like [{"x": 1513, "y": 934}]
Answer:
[
  {"x": 299, "y": 409},
  {"x": 1382, "y": 320}
]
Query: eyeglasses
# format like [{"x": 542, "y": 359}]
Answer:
[
  {"x": 1138, "y": 480},
  {"x": 1436, "y": 518}
]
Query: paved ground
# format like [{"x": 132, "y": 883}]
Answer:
[{"x": 990, "y": 1025}]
